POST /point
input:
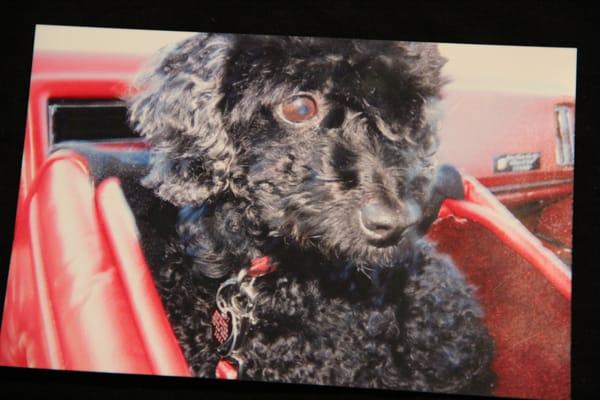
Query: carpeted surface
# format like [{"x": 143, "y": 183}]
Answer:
[{"x": 529, "y": 319}]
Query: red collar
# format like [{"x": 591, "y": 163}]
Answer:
[
  {"x": 261, "y": 266},
  {"x": 227, "y": 367}
]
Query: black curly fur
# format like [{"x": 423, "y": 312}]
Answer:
[{"x": 339, "y": 310}]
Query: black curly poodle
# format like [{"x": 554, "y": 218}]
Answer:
[{"x": 309, "y": 159}]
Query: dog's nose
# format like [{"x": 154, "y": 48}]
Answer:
[{"x": 380, "y": 221}]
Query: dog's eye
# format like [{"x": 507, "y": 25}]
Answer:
[{"x": 299, "y": 108}]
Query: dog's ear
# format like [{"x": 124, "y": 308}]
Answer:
[
  {"x": 175, "y": 107},
  {"x": 426, "y": 62}
]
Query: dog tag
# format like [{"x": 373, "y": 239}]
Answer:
[{"x": 221, "y": 324}]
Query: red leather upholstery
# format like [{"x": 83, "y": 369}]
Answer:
[
  {"x": 524, "y": 288},
  {"x": 161, "y": 346},
  {"x": 80, "y": 295},
  {"x": 482, "y": 207}
]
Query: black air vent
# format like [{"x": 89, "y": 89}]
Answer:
[{"x": 89, "y": 120}]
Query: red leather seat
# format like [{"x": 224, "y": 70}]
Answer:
[{"x": 80, "y": 295}]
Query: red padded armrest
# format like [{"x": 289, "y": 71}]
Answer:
[
  {"x": 72, "y": 300},
  {"x": 162, "y": 348},
  {"x": 482, "y": 207}
]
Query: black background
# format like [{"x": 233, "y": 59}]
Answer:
[{"x": 540, "y": 23}]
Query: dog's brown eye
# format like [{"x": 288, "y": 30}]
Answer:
[{"x": 299, "y": 108}]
